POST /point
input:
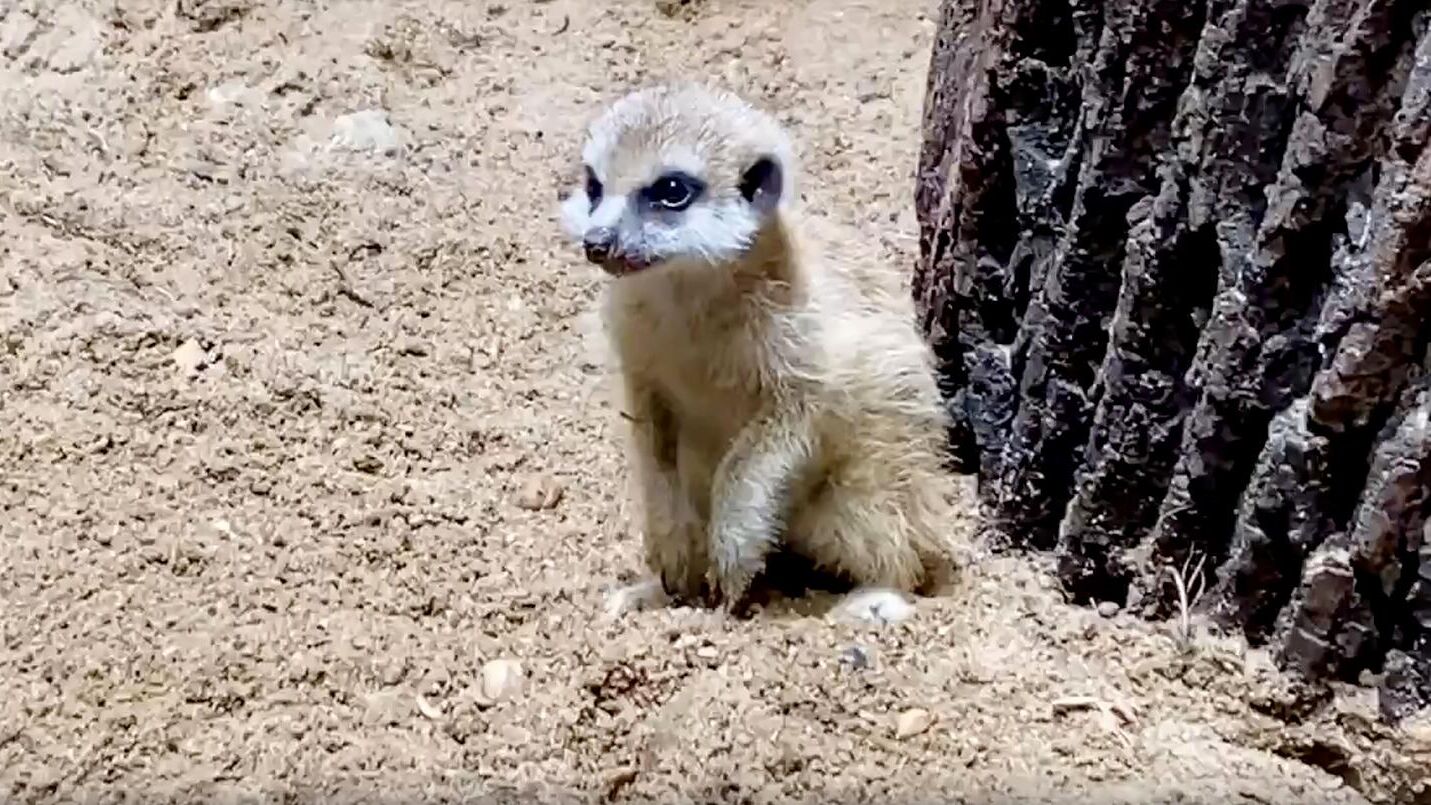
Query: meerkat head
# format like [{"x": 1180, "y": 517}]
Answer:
[{"x": 678, "y": 175}]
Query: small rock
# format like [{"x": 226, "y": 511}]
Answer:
[
  {"x": 226, "y": 93},
  {"x": 17, "y": 33},
  {"x": 1418, "y": 731},
  {"x": 513, "y": 735},
  {"x": 366, "y": 130},
  {"x": 912, "y": 722},
  {"x": 369, "y": 464},
  {"x": 501, "y": 680},
  {"x": 869, "y": 91},
  {"x": 1108, "y": 608},
  {"x": 616, "y": 779},
  {"x": 384, "y": 709},
  {"x": 707, "y": 652},
  {"x": 540, "y": 492},
  {"x": 204, "y": 16},
  {"x": 676, "y": 8},
  {"x": 414, "y": 348},
  {"x": 855, "y": 657},
  {"x": 189, "y": 358},
  {"x": 208, "y": 171},
  {"x": 72, "y": 47}
]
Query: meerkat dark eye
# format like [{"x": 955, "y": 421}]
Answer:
[
  {"x": 593, "y": 188},
  {"x": 674, "y": 191}
]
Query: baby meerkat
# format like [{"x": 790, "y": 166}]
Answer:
[{"x": 777, "y": 395}]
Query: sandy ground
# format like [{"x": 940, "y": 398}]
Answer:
[{"x": 298, "y": 437}]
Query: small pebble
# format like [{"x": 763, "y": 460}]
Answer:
[
  {"x": 514, "y": 735},
  {"x": 912, "y": 722},
  {"x": 855, "y": 657},
  {"x": 413, "y": 347},
  {"x": 540, "y": 492},
  {"x": 188, "y": 358},
  {"x": 385, "y": 708},
  {"x": 1108, "y": 608},
  {"x": 501, "y": 680},
  {"x": 869, "y": 91},
  {"x": 616, "y": 779},
  {"x": 366, "y": 130}
]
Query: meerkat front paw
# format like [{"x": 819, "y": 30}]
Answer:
[
  {"x": 685, "y": 584},
  {"x": 735, "y": 560},
  {"x": 679, "y": 564},
  {"x": 731, "y": 591},
  {"x": 731, "y": 576},
  {"x": 877, "y": 606}
]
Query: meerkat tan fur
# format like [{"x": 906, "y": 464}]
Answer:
[{"x": 777, "y": 395}]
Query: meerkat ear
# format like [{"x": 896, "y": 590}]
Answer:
[{"x": 761, "y": 185}]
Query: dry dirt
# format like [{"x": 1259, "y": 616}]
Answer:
[{"x": 298, "y": 435}]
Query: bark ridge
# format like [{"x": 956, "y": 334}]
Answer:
[{"x": 1175, "y": 262}]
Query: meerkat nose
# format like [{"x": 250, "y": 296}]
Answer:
[{"x": 598, "y": 243}]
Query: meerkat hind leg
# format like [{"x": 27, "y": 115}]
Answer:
[
  {"x": 860, "y": 534},
  {"x": 645, "y": 594},
  {"x": 793, "y": 577},
  {"x": 879, "y": 606}
]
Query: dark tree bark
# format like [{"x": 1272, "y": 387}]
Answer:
[{"x": 1176, "y": 267}]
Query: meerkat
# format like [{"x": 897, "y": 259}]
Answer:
[{"x": 776, "y": 395}]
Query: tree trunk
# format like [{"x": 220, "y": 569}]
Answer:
[{"x": 1175, "y": 267}]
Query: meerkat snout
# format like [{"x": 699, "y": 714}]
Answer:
[
  {"x": 598, "y": 242},
  {"x": 672, "y": 179}
]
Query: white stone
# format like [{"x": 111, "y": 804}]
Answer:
[
  {"x": 366, "y": 130},
  {"x": 501, "y": 679}
]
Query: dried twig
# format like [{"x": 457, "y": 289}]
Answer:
[
  {"x": 428, "y": 709},
  {"x": 1113, "y": 716},
  {"x": 345, "y": 288}
]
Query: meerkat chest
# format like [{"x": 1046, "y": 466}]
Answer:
[
  {"x": 711, "y": 370},
  {"x": 709, "y": 414},
  {"x": 712, "y": 388}
]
